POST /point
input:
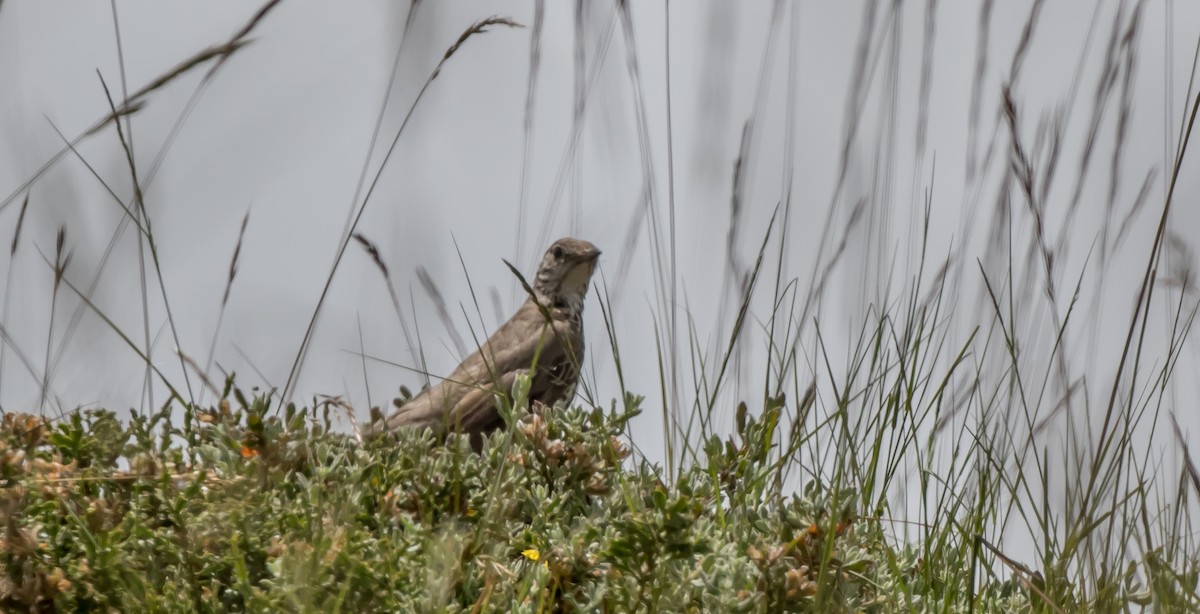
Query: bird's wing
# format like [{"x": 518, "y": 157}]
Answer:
[
  {"x": 466, "y": 394},
  {"x": 475, "y": 411},
  {"x": 513, "y": 346},
  {"x": 427, "y": 408}
]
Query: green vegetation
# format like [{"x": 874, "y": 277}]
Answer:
[{"x": 236, "y": 510}]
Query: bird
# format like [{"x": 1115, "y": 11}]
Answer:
[{"x": 543, "y": 339}]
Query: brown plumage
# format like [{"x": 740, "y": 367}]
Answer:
[{"x": 549, "y": 325}]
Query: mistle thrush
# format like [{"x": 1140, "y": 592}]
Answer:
[{"x": 548, "y": 326}]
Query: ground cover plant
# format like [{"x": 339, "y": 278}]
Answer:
[{"x": 237, "y": 510}]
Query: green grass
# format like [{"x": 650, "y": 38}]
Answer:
[{"x": 237, "y": 510}]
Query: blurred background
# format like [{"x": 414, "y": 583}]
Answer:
[{"x": 911, "y": 154}]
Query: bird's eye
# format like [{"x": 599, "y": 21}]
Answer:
[{"x": 556, "y": 251}]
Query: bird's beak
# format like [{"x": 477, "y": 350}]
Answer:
[{"x": 590, "y": 255}]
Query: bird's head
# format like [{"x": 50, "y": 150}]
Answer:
[{"x": 563, "y": 276}]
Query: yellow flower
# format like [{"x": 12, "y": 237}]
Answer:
[{"x": 531, "y": 554}]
